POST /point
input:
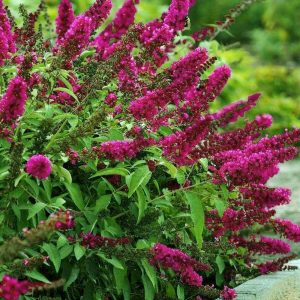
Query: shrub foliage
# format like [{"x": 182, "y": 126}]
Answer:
[{"x": 116, "y": 180}]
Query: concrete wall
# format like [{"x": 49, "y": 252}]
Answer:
[{"x": 284, "y": 285}]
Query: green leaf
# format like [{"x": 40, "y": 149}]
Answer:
[
  {"x": 36, "y": 208},
  {"x": 64, "y": 173},
  {"x": 72, "y": 278},
  {"x": 113, "y": 261},
  {"x": 33, "y": 186},
  {"x": 65, "y": 90},
  {"x": 86, "y": 53},
  {"x": 65, "y": 251},
  {"x": 37, "y": 276},
  {"x": 66, "y": 82},
  {"x": 76, "y": 195},
  {"x": 219, "y": 279},
  {"x": 180, "y": 176},
  {"x": 172, "y": 170},
  {"x": 61, "y": 241},
  {"x": 150, "y": 271},
  {"x": 197, "y": 215},
  {"x": 204, "y": 163},
  {"x": 48, "y": 189},
  {"x": 102, "y": 203},
  {"x": 19, "y": 178},
  {"x": 170, "y": 291},
  {"x": 140, "y": 177},
  {"x": 16, "y": 210},
  {"x": 225, "y": 192},
  {"x": 142, "y": 244},
  {"x": 142, "y": 204},
  {"x": 180, "y": 292},
  {"x": 119, "y": 275},
  {"x": 148, "y": 288},
  {"x": 220, "y": 263},
  {"x": 111, "y": 171},
  {"x": 79, "y": 251},
  {"x": 220, "y": 206},
  {"x": 54, "y": 255},
  {"x": 115, "y": 134},
  {"x": 116, "y": 263}
]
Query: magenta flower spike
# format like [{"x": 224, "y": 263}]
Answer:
[{"x": 64, "y": 19}]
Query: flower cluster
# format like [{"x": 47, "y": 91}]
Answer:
[
  {"x": 176, "y": 15},
  {"x": 183, "y": 74},
  {"x": 73, "y": 156},
  {"x": 274, "y": 265},
  {"x": 228, "y": 293},
  {"x": 7, "y": 41},
  {"x": 98, "y": 12},
  {"x": 265, "y": 245},
  {"x": 248, "y": 166},
  {"x": 235, "y": 220},
  {"x": 264, "y": 196},
  {"x": 76, "y": 38},
  {"x": 64, "y": 19},
  {"x": 120, "y": 150},
  {"x": 111, "y": 99},
  {"x": 93, "y": 241},
  {"x": 12, "y": 104},
  {"x": 64, "y": 220},
  {"x": 118, "y": 27},
  {"x": 179, "y": 262},
  {"x": 11, "y": 288},
  {"x": 288, "y": 229},
  {"x": 39, "y": 166}
]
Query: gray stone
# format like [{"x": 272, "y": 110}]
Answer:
[{"x": 283, "y": 285}]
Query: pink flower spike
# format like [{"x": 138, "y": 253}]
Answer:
[
  {"x": 64, "y": 19},
  {"x": 12, "y": 104},
  {"x": 6, "y": 29},
  {"x": 98, "y": 12},
  {"x": 76, "y": 38},
  {"x": 177, "y": 14}
]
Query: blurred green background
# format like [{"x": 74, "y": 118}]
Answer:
[{"x": 262, "y": 48}]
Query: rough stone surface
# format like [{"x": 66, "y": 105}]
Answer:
[{"x": 283, "y": 285}]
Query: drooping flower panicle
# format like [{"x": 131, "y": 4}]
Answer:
[{"x": 179, "y": 262}]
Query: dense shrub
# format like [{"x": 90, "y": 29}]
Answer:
[{"x": 116, "y": 180}]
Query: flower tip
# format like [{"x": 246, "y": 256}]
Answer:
[{"x": 254, "y": 97}]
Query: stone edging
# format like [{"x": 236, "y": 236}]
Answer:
[{"x": 284, "y": 285}]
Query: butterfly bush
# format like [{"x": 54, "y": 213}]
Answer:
[{"x": 117, "y": 179}]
